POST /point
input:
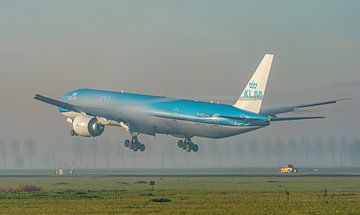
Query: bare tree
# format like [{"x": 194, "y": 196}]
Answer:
[
  {"x": 16, "y": 151},
  {"x": 268, "y": 152},
  {"x": 30, "y": 149},
  {"x": 45, "y": 159},
  {"x": 240, "y": 152},
  {"x": 332, "y": 149},
  {"x": 292, "y": 150},
  {"x": 305, "y": 148},
  {"x": 93, "y": 147},
  {"x": 79, "y": 149},
  {"x": 254, "y": 151},
  {"x": 319, "y": 149},
  {"x": 107, "y": 148},
  {"x": 3, "y": 151},
  {"x": 118, "y": 153},
  {"x": 353, "y": 151},
  {"x": 226, "y": 147},
  {"x": 279, "y": 150}
]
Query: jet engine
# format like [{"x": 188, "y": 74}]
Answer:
[{"x": 87, "y": 126}]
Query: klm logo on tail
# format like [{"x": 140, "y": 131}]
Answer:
[
  {"x": 251, "y": 92},
  {"x": 253, "y": 84}
]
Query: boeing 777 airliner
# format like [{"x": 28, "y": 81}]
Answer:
[{"x": 89, "y": 111}]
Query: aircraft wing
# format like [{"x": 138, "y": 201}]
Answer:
[
  {"x": 274, "y": 111},
  {"x": 80, "y": 109},
  {"x": 56, "y": 103},
  {"x": 67, "y": 106},
  {"x": 276, "y": 118}
]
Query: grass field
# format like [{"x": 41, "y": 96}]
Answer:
[{"x": 115, "y": 194}]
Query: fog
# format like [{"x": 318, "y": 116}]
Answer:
[
  {"x": 162, "y": 153},
  {"x": 184, "y": 49}
]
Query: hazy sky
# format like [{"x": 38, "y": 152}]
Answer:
[{"x": 182, "y": 48}]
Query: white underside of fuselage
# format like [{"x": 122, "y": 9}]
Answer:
[
  {"x": 177, "y": 128},
  {"x": 183, "y": 128}
]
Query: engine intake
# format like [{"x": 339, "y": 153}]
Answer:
[{"x": 87, "y": 126}]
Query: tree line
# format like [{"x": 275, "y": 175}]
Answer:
[{"x": 230, "y": 152}]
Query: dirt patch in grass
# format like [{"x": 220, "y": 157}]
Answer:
[
  {"x": 160, "y": 200},
  {"x": 147, "y": 194},
  {"x": 349, "y": 194},
  {"x": 21, "y": 188},
  {"x": 140, "y": 182},
  {"x": 61, "y": 183},
  {"x": 121, "y": 182}
]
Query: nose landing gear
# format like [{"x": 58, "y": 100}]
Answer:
[{"x": 188, "y": 145}]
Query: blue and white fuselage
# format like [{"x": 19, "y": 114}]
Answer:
[{"x": 156, "y": 114}]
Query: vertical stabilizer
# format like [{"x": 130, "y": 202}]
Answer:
[{"x": 252, "y": 96}]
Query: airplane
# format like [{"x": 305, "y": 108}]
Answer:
[{"x": 90, "y": 110}]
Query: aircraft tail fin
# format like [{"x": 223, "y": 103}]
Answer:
[{"x": 252, "y": 96}]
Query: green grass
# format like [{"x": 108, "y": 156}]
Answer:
[{"x": 179, "y": 195}]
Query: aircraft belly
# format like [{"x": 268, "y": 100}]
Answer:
[
  {"x": 142, "y": 124},
  {"x": 181, "y": 128}
]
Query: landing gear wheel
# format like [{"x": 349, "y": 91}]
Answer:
[
  {"x": 180, "y": 143},
  {"x": 195, "y": 147},
  {"x": 188, "y": 147},
  {"x": 135, "y": 146},
  {"x": 73, "y": 133},
  {"x": 127, "y": 143}
]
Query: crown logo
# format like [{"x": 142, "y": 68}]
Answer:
[{"x": 253, "y": 85}]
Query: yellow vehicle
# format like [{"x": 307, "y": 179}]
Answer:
[{"x": 288, "y": 169}]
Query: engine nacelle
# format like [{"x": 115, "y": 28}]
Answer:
[{"x": 87, "y": 126}]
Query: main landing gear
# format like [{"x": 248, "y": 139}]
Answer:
[
  {"x": 134, "y": 144},
  {"x": 188, "y": 145},
  {"x": 73, "y": 133}
]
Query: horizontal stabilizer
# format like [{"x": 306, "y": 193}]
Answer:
[
  {"x": 275, "y": 111},
  {"x": 295, "y": 118}
]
